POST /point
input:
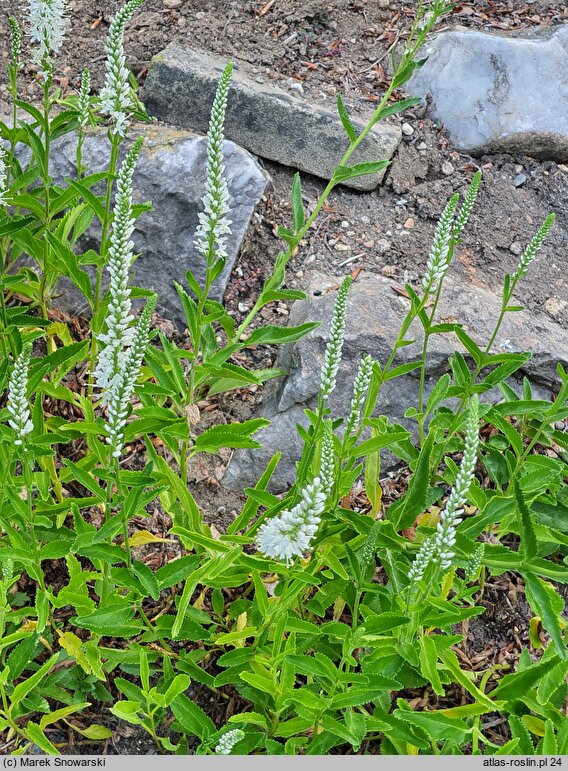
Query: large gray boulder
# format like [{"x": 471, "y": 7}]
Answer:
[
  {"x": 265, "y": 119},
  {"x": 499, "y": 94},
  {"x": 170, "y": 173},
  {"x": 375, "y": 313}
]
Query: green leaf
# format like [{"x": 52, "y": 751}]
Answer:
[
  {"x": 515, "y": 686},
  {"x": 439, "y": 727},
  {"x": 404, "y": 512},
  {"x": 23, "y": 689},
  {"x": 428, "y": 663},
  {"x": 346, "y": 120},
  {"x": 103, "y": 620},
  {"x": 34, "y": 733},
  {"x": 192, "y": 718},
  {"x": 21, "y": 656},
  {"x": 297, "y": 204},
  {"x": 378, "y": 443},
  {"x": 233, "y": 435},
  {"x": 274, "y": 335},
  {"x": 549, "y": 605},
  {"x": 528, "y": 539},
  {"x": 403, "y": 104},
  {"x": 147, "y": 579},
  {"x": 343, "y": 173}
]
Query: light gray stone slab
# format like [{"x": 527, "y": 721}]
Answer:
[
  {"x": 266, "y": 120},
  {"x": 374, "y": 315},
  {"x": 497, "y": 93},
  {"x": 170, "y": 173}
]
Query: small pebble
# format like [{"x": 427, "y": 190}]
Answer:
[
  {"x": 351, "y": 233},
  {"x": 447, "y": 168},
  {"x": 342, "y": 247},
  {"x": 519, "y": 180},
  {"x": 382, "y": 245},
  {"x": 516, "y": 248},
  {"x": 409, "y": 223},
  {"x": 345, "y": 224},
  {"x": 172, "y": 3},
  {"x": 365, "y": 220},
  {"x": 299, "y": 274},
  {"x": 422, "y": 146},
  {"x": 243, "y": 307},
  {"x": 555, "y": 307},
  {"x": 407, "y": 130},
  {"x": 389, "y": 270},
  {"x": 295, "y": 85}
]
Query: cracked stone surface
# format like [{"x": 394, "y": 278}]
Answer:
[
  {"x": 497, "y": 93},
  {"x": 170, "y": 173},
  {"x": 374, "y": 315}
]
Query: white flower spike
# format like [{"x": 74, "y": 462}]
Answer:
[
  {"x": 335, "y": 342},
  {"x": 228, "y": 741},
  {"x": 123, "y": 382},
  {"x": 46, "y": 29},
  {"x": 289, "y": 534},
  {"x": 18, "y": 406},
  {"x": 118, "y": 336},
  {"x": 116, "y": 96},
  {"x": 214, "y": 226}
]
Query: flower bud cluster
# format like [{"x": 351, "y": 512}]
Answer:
[
  {"x": 289, "y": 534},
  {"x": 214, "y": 226},
  {"x": 533, "y": 247},
  {"x": 15, "y": 41},
  {"x": 327, "y": 462},
  {"x": 46, "y": 28},
  {"x": 440, "y": 253},
  {"x": 360, "y": 388},
  {"x": 445, "y": 537},
  {"x": 83, "y": 101},
  {"x": 469, "y": 201},
  {"x": 3, "y": 178},
  {"x": 335, "y": 342},
  {"x": 116, "y": 94},
  {"x": 228, "y": 741},
  {"x": 18, "y": 407}
]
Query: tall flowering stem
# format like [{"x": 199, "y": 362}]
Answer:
[
  {"x": 214, "y": 226},
  {"x": 212, "y": 231},
  {"x": 117, "y": 338},
  {"x": 438, "y": 548},
  {"x": 83, "y": 108},
  {"x": 117, "y": 395},
  {"x": 289, "y": 534}
]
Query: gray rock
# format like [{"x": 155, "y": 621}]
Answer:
[
  {"x": 266, "y": 120},
  {"x": 171, "y": 175},
  {"x": 374, "y": 315},
  {"x": 499, "y": 94}
]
